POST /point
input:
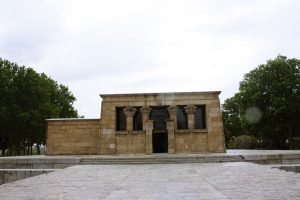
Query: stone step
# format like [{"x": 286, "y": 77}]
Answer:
[
  {"x": 160, "y": 160},
  {"x": 261, "y": 159}
]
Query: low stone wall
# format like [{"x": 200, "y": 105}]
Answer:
[
  {"x": 11, "y": 175},
  {"x": 72, "y": 136},
  {"x": 21, "y": 167},
  {"x": 38, "y": 162},
  {"x": 295, "y": 168},
  {"x": 186, "y": 141},
  {"x": 282, "y": 159}
]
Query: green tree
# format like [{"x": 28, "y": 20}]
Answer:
[
  {"x": 268, "y": 103},
  {"x": 232, "y": 118},
  {"x": 27, "y": 99}
]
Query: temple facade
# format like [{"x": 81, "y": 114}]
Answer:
[{"x": 147, "y": 123}]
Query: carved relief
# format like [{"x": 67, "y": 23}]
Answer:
[
  {"x": 190, "y": 109},
  {"x": 129, "y": 111},
  {"x": 145, "y": 111},
  {"x": 172, "y": 110}
]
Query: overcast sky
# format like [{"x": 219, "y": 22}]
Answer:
[{"x": 125, "y": 46}]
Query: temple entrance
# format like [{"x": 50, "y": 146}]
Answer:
[
  {"x": 160, "y": 142},
  {"x": 159, "y": 115}
]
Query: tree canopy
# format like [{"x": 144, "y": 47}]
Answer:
[
  {"x": 27, "y": 98},
  {"x": 267, "y": 105}
]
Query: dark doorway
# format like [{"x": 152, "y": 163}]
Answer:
[
  {"x": 159, "y": 115},
  {"x": 160, "y": 142}
]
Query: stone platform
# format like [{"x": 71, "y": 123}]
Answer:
[
  {"x": 234, "y": 180},
  {"x": 60, "y": 162},
  {"x": 231, "y": 175}
]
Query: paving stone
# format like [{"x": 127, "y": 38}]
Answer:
[{"x": 163, "y": 181}]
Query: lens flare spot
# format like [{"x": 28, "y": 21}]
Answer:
[{"x": 253, "y": 115}]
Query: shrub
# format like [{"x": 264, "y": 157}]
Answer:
[
  {"x": 296, "y": 142},
  {"x": 243, "y": 142}
]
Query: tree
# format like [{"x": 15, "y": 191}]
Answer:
[
  {"x": 232, "y": 118},
  {"x": 27, "y": 99},
  {"x": 268, "y": 103}
]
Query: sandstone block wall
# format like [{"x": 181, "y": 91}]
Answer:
[
  {"x": 191, "y": 142},
  {"x": 216, "y": 142},
  {"x": 210, "y": 139},
  {"x": 72, "y": 136},
  {"x": 100, "y": 136},
  {"x": 131, "y": 143}
]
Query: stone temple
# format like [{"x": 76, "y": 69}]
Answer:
[{"x": 145, "y": 123}]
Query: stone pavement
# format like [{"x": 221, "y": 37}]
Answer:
[{"x": 235, "y": 180}]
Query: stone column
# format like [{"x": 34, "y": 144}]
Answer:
[
  {"x": 172, "y": 126},
  {"x": 145, "y": 112},
  {"x": 149, "y": 129},
  {"x": 190, "y": 111},
  {"x": 173, "y": 114},
  {"x": 171, "y": 136},
  {"x": 129, "y": 112}
]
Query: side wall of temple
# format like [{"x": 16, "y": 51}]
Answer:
[{"x": 72, "y": 136}]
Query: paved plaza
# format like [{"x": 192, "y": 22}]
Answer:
[{"x": 235, "y": 180}]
